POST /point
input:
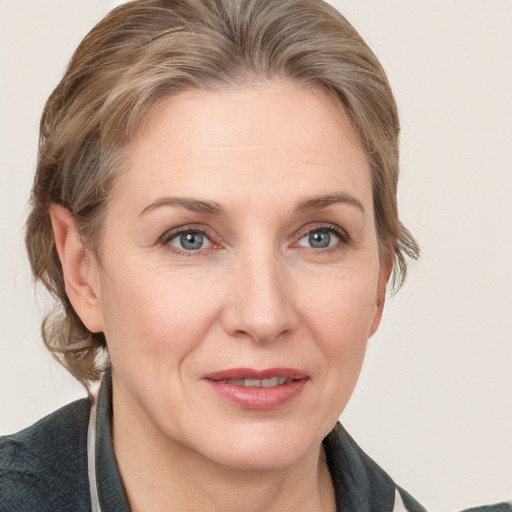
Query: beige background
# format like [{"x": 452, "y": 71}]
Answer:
[{"x": 434, "y": 403}]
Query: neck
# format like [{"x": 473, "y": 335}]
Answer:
[{"x": 160, "y": 474}]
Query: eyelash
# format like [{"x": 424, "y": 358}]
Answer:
[
  {"x": 344, "y": 238},
  {"x": 166, "y": 238}
]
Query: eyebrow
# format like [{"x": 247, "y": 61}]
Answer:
[
  {"x": 321, "y": 202},
  {"x": 213, "y": 208},
  {"x": 194, "y": 205}
]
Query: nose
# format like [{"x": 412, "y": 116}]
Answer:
[{"x": 261, "y": 304}]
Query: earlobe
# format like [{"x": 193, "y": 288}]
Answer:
[{"x": 79, "y": 268}]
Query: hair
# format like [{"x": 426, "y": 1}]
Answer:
[{"x": 146, "y": 50}]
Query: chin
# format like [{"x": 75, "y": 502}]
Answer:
[
  {"x": 262, "y": 446},
  {"x": 262, "y": 458}
]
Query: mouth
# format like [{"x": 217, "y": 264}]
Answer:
[
  {"x": 254, "y": 389},
  {"x": 258, "y": 383}
]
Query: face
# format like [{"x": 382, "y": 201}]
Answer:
[{"x": 239, "y": 278}]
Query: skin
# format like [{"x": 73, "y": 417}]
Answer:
[{"x": 255, "y": 295}]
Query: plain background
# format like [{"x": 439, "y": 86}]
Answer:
[{"x": 433, "y": 405}]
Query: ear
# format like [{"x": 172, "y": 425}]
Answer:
[
  {"x": 380, "y": 297},
  {"x": 80, "y": 269}
]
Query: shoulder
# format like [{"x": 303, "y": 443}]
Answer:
[
  {"x": 44, "y": 467},
  {"x": 359, "y": 483}
]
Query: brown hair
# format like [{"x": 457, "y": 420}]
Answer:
[{"x": 146, "y": 50}]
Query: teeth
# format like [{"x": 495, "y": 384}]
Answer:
[
  {"x": 239, "y": 382},
  {"x": 252, "y": 383},
  {"x": 270, "y": 383},
  {"x": 257, "y": 383}
]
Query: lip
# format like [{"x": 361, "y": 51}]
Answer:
[
  {"x": 257, "y": 398},
  {"x": 249, "y": 373}
]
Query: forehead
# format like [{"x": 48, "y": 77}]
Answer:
[{"x": 275, "y": 136}]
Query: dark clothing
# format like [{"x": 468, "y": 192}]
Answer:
[{"x": 44, "y": 468}]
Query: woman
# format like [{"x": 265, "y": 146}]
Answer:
[{"x": 215, "y": 211}]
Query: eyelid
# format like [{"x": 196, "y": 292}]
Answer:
[
  {"x": 178, "y": 236},
  {"x": 343, "y": 243},
  {"x": 164, "y": 240},
  {"x": 325, "y": 226},
  {"x": 172, "y": 233}
]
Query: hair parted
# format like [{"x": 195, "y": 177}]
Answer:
[{"x": 146, "y": 50}]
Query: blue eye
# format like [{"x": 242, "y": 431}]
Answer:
[
  {"x": 319, "y": 239},
  {"x": 190, "y": 241}
]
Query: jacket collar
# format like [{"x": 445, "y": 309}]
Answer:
[
  {"x": 359, "y": 484},
  {"x": 111, "y": 494}
]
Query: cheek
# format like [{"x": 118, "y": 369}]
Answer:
[
  {"x": 340, "y": 316},
  {"x": 341, "y": 309},
  {"x": 154, "y": 315}
]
